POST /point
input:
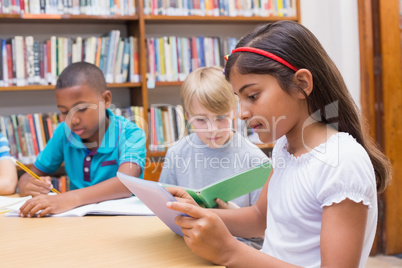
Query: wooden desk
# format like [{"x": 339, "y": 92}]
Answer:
[{"x": 93, "y": 241}]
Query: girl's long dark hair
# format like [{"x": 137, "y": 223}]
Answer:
[{"x": 329, "y": 102}]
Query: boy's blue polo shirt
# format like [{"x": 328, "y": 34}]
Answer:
[{"x": 123, "y": 142}]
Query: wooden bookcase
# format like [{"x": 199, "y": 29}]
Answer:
[
  {"x": 381, "y": 98},
  {"x": 136, "y": 26}
]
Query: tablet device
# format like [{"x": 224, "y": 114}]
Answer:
[{"x": 155, "y": 197}]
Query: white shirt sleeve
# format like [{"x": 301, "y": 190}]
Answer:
[{"x": 353, "y": 177}]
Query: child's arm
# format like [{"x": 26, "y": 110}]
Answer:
[
  {"x": 342, "y": 234},
  {"x": 106, "y": 190},
  {"x": 28, "y": 185},
  {"x": 8, "y": 177},
  {"x": 247, "y": 221},
  {"x": 211, "y": 237},
  {"x": 206, "y": 234}
]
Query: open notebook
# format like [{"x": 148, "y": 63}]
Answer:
[{"x": 130, "y": 206}]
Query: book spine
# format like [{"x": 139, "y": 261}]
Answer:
[
  {"x": 49, "y": 61},
  {"x": 53, "y": 53},
  {"x": 162, "y": 61},
  {"x": 173, "y": 51},
  {"x": 49, "y": 127},
  {"x": 23, "y": 141},
  {"x": 16, "y": 135},
  {"x": 29, "y": 141},
  {"x": 2, "y": 81},
  {"x": 119, "y": 60},
  {"x": 11, "y": 137},
  {"x": 38, "y": 132},
  {"x": 33, "y": 133},
  {"x": 98, "y": 52},
  {"x": 10, "y": 64},
  {"x": 36, "y": 63},
  {"x": 45, "y": 136},
  {"x": 114, "y": 55},
  {"x": 126, "y": 60}
]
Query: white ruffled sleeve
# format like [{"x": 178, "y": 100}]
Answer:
[{"x": 351, "y": 177}]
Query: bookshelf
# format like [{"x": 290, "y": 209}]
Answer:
[
  {"x": 139, "y": 25},
  {"x": 381, "y": 97}
]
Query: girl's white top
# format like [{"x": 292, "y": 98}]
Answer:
[{"x": 301, "y": 186}]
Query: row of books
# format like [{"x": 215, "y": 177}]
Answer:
[
  {"x": 172, "y": 58},
  {"x": 61, "y": 184},
  {"x": 75, "y": 7},
  {"x": 28, "y": 134},
  {"x": 167, "y": 125},
  {"x": 24, "y": 61},
  {"x": 134, "y": 114},
  {"x": 247, "y": 8}
]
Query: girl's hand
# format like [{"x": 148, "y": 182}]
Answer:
[
  {"x": 226, "y": 205},
  {"x": 181, "y": 195},
  {"x": 205, "y": 233},
  {"x": 46, "y": 204}
]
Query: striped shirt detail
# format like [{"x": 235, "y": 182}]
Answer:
[{"x": 4, "y": 148}]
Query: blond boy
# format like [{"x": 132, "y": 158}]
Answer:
[{"x": 214, "y": 151}]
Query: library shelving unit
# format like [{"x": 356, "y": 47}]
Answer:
[
  {"x": 380, "y": 38},
  {"x": 134, "y": 26}
]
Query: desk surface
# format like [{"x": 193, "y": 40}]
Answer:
[{"x": 93, "y": 241}]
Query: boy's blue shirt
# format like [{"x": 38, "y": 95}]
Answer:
[{"x": 123, "y": 142}]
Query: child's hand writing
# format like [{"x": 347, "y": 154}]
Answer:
[
  {"x": 30, "y": 186},
  {"x": 46, "y": 204},
  {"x": 226, "y": 205},
  {"x": 205, "y": 233}
]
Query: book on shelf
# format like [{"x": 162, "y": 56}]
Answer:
[
  {"x": 167, "y": 125},
  {"x": 27, "y": 134},
  {"x": 130, "y": 206},
  {"x": 61, "y": 184},
  {"x": 134, "y": 60},
  {"x": 26, "y": 61},
  {"x": 73, "y": 7},
  {"x": 123, "y": 75},
  {"x": 232, "y": 8},
  {"x": 172, "y": 58},
  {"x": 231, "y": 187}
]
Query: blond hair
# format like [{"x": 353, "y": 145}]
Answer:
[{"x": 209, "y": 86}]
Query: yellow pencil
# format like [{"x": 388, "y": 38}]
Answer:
[
  {"x": 5, "y": 211},
  {"x": 27, "y": 170}
]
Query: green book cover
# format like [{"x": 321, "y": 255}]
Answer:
[{"x": 232, "y": 187}]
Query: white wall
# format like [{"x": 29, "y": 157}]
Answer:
[{"x": 335, "y": 24}]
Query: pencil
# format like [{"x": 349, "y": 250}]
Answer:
[
  {"x": 5, "y": 211},
  {"x": 27, "y": 170}
]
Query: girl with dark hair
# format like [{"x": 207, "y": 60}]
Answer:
[{"x": 318, "y": 207}]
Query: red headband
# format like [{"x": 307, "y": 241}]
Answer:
[{"x": 263, "y": 53}]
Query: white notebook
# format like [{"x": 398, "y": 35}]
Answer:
[{"x": 130, "y": 206}]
